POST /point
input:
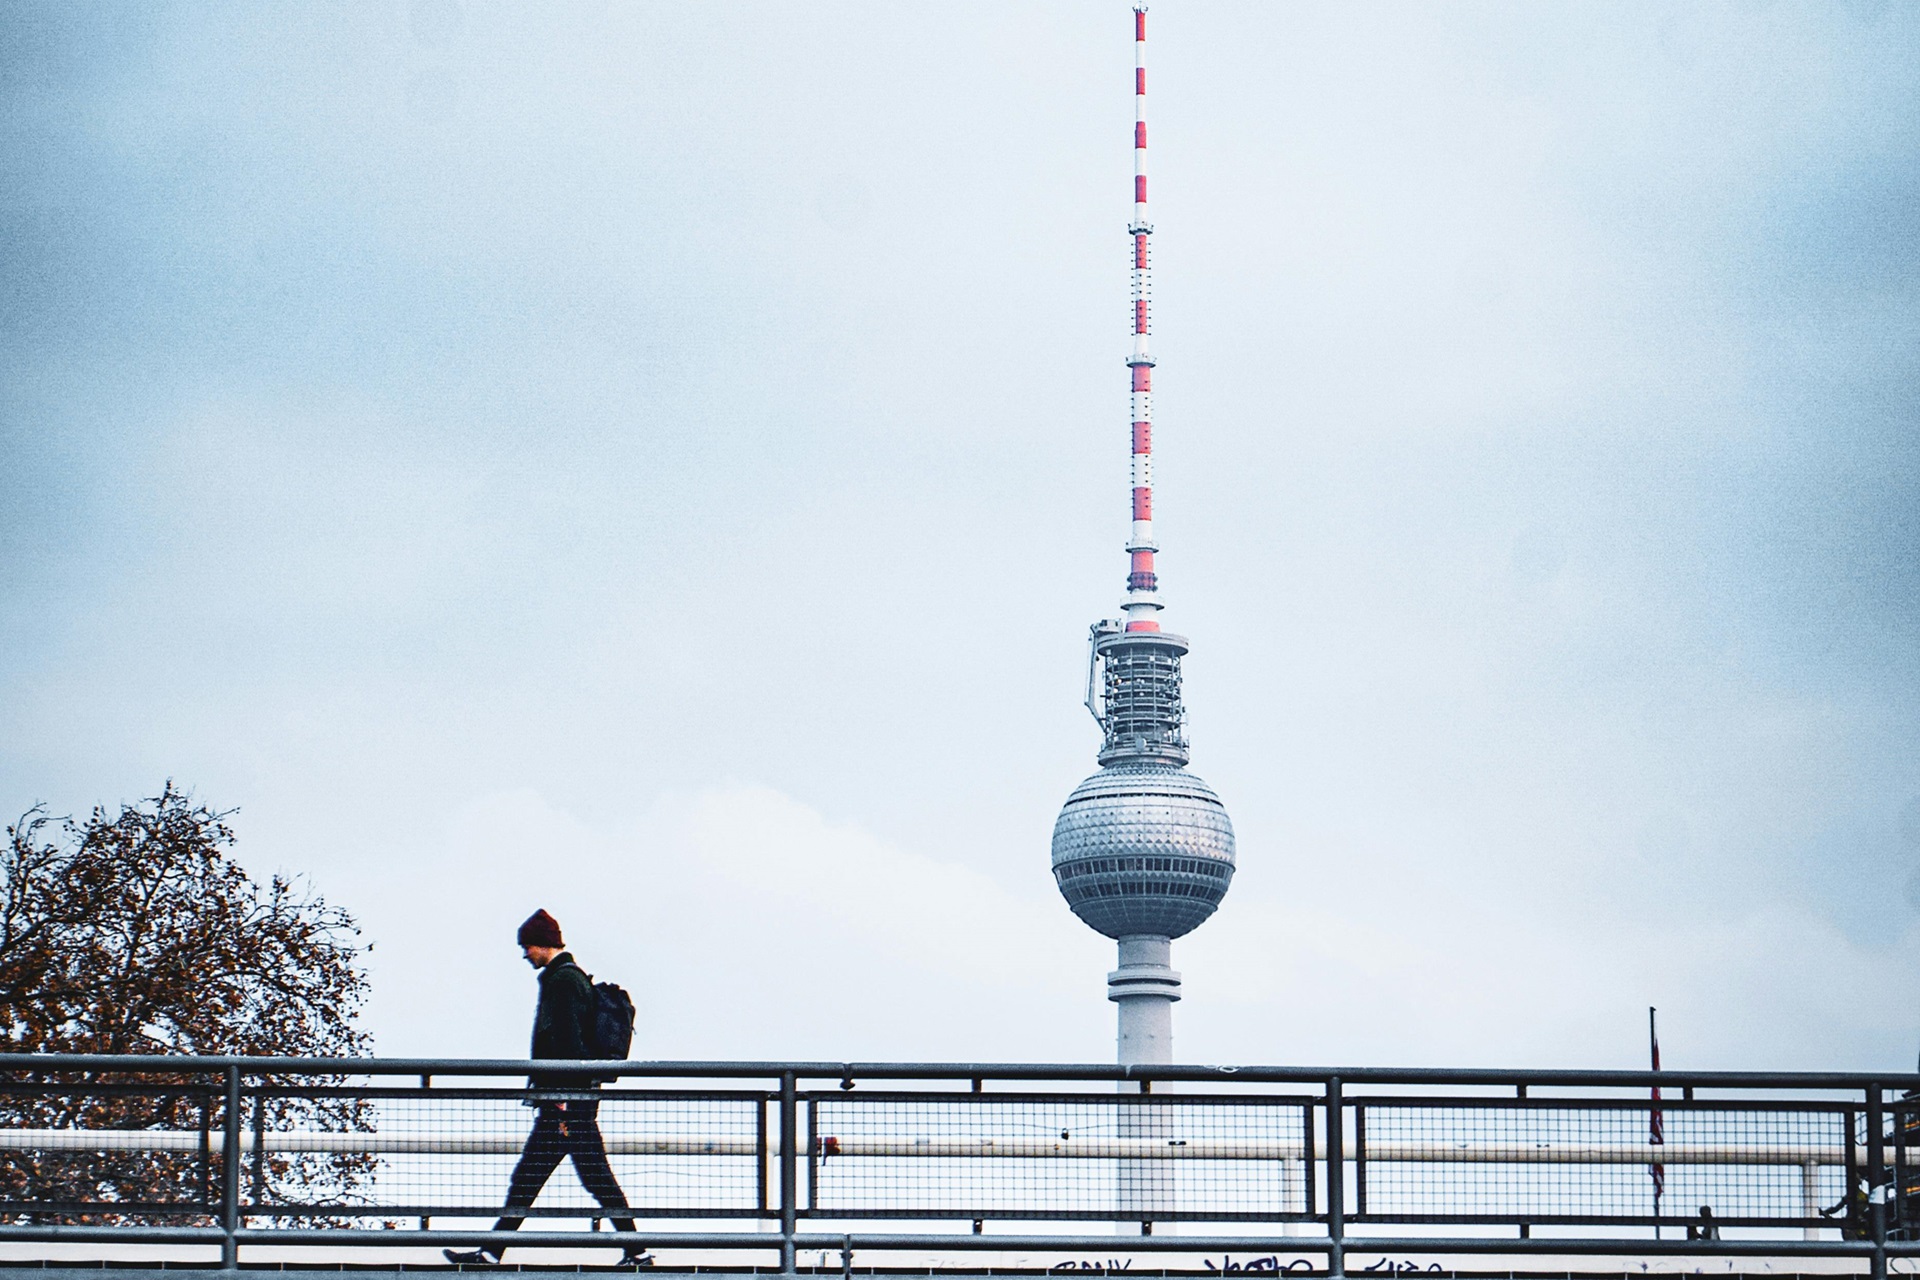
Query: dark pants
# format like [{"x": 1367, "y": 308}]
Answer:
[{"x": 557, "y": 1134}]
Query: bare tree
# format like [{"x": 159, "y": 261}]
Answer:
[{"x": 139, "y": 933}]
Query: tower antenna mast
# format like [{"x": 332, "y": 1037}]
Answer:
[{"x": 1143, "y": 584}]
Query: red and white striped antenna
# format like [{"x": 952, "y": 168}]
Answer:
[{"x": 1143, "y": 586}]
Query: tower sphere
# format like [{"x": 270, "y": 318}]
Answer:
[{"x": 1143, "y": 849}]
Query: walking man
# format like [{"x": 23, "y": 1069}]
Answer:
[{"x": 562, "y": 1126}]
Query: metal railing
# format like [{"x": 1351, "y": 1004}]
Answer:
[{"x": 945, "y": 1164}]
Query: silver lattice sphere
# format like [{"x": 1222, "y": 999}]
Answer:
[{"x": 1143, "y": 849}]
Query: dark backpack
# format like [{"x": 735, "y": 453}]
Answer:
[{"x": 612, "y": 1022}]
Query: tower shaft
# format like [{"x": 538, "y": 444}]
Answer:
[{"x": 1145, "y": 987}]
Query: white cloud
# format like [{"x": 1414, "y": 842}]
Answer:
[{"x": 936, "y": 916}]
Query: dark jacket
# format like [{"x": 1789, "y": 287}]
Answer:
[{"x": 563, "y": 1020}]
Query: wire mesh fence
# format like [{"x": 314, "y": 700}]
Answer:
[
  {"x": 131, "y": 1149},
  {"x": 1126, "y": 1157},
  {"x": 453, "y": 1152},
  {"x": 58, "y": 1181},
  {"x": 1431, "y": 1160}
]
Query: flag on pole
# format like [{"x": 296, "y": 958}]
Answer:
[{"x": 1656, "y": 1125}]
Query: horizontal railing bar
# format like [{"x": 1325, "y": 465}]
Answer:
[
  {"x": 837, "y": 1148},
  {"x": 1629, "y": 1248},
  {"x": 1530, "y": 1219},
  {"x": 405, "y": 1209},
  {"x": 961, "y": 1242},
  {"x": 1002, "y": 1213},
  {"x": 190, "y": 1140},
  {"x": 155, "y": 1208},
  {"x": 177, "y": 1063},
  {"x": 1356, "y": 1244},
  {"x": 396, "y": 1239},
  {"x": 842, "y": 1213},
  {"x": 958, "y": 1241},
  {"x": 1101, "y": 1096},
  {"x": 1756, "y": 1154},
  {"x": 1561, "y": 1102},
  {"x": 456, "y": 1093},
  {"x": 846, "y": 1213}
]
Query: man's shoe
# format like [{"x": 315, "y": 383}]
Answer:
[
  {"x": 471, "y": 1258},
  {"x": 636, "y": 1257}
]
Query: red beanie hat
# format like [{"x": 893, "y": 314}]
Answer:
[{"x": 540, "y": 930}]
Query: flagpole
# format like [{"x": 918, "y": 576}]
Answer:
[{"x": 1656, "y": 1122}]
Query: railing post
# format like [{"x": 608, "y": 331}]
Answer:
[
  {"x": 763, "y": 1175},
  {"x": 260, "y": 1149},
  {"x": 1877, "y": 1181},
  {"x": 206, "y": 1149},
  {"x": 789, "y": 1171},
  {"x": 1336, "y": 1180},
  {"x": 813, "y": 1155},
  {"x": 230, "y": 1175},
  {"x": 1309, "y": 1158},
  {"x": 1360, "y": 1159}
]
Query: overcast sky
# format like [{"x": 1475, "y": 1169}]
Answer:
[{"x": 658, "y": 463}]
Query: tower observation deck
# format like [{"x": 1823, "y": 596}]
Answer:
[{"x": 1143, "y": 850}]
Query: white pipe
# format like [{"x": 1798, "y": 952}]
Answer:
[
  {"x": 1089, "y": 1148},
  {"x": 313, "y": 1141},
  {"x": 1810, "y": 1196}
]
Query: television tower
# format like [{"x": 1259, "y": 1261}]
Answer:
[{"x": 1142, "y": 850}]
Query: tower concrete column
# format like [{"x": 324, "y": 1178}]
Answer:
[{"x": 1145, "y": 987}]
